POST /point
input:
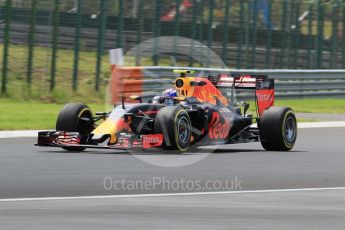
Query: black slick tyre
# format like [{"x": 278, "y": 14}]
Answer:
[
  {"x": 278, "y": 129},
  {"x": 75, "y": 117},
  {"x": 175, "y": 125}
]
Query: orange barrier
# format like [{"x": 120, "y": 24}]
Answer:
[{"x": 126, "y": 81}]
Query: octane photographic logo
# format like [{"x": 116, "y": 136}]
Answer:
[
  {"x": 167, "y": 185},
  {"x": 149, "y": 82}
]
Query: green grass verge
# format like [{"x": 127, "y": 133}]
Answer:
[
  {"x": 31, "y": 115},
  {"x": 37, "y": 115},
  {"x": 317, "y": 105},
  {"x": 335, "y": 106}
]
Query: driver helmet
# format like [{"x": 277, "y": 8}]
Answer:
[{"x": 170, "y": 93}]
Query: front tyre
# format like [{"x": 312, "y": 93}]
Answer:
[
  {"x": 75, "y": 117},
  {"x": 278, "y": 129},
  {"x": 174, "y": 123}
]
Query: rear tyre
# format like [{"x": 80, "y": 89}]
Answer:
[
  {"x": 174, "y": 123},
  {"x": 75, "y": 117},
  {"x": 278, "y": 129}
]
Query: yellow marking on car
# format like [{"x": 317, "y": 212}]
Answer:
[{"x": 107, "y": 127}]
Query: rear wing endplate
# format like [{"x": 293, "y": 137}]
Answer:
[{"x": 263, "y": 86}]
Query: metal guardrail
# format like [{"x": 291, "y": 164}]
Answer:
[{"x": 289, "y": 83}]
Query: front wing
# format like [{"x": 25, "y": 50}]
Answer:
[{"x": 72, "y": 139}]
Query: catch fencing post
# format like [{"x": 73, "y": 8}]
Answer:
[
  {"x": 283, "y": 30},
  {"x": 139, "y": 32},
  {"x": 101, "y": 36},
  {"x": 290, "y": 33},
  {"x": 156, "y": 31},
  {"x": 6, "y": 46},
  {"x": 226, "y": 31},
  {"x": 335, "y": 22},
  {"x": 31, "y": 41},
  {"x": 210, "y": 24},
  {"x": 177, "y": 26},
  {"x": 201, "y": 21},
  {"x": 269, "y": 35},
  {"x": 310, "y": 35},
  {"x": 247, "y": 35},
  {"x": 320, "y": 25},
  {"x": 120, "y": 21},
  {"x": 201, "y": 28},
  {"x": 210, "y": 29},
  {"x": 193, "y": 32},
  {"x": 240, "y": 37},
  {"x": 55, "y": 37},
  {"x": 77, "y": 44},
  {"x": 297, "y": 34},
  {"x": 254, "y": 36},
  {"x": 343, "y": 48}
]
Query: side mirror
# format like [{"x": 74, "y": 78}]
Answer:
[
  {"x": 246, "y": 107},
  {"x": 136, "y": 98}
]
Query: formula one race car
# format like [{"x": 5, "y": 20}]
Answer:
[{"x": 198, "y": 114}]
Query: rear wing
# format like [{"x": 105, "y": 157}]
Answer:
[{"x": 263, "y": 86}]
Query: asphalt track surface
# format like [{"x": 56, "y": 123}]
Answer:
[{"x": 318, "y": 161}]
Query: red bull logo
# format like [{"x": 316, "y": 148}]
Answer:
[{"x": 218, "y": 129}]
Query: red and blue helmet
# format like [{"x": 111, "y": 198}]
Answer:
[{"x": 170, "y": 93}]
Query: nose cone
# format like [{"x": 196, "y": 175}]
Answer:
[{"x": 111, "y": 128}]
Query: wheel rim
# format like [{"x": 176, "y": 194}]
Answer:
[
  {"x": 290, "y": 129},
  {"x": 183, "y": 130}
]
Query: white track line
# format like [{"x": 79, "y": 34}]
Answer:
[
  {"x": 19, "y": 134},
  {"x": 301, "y": 125},
  {"x": 168, "y": 194},
  {"x": 325, "y": 124}
]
